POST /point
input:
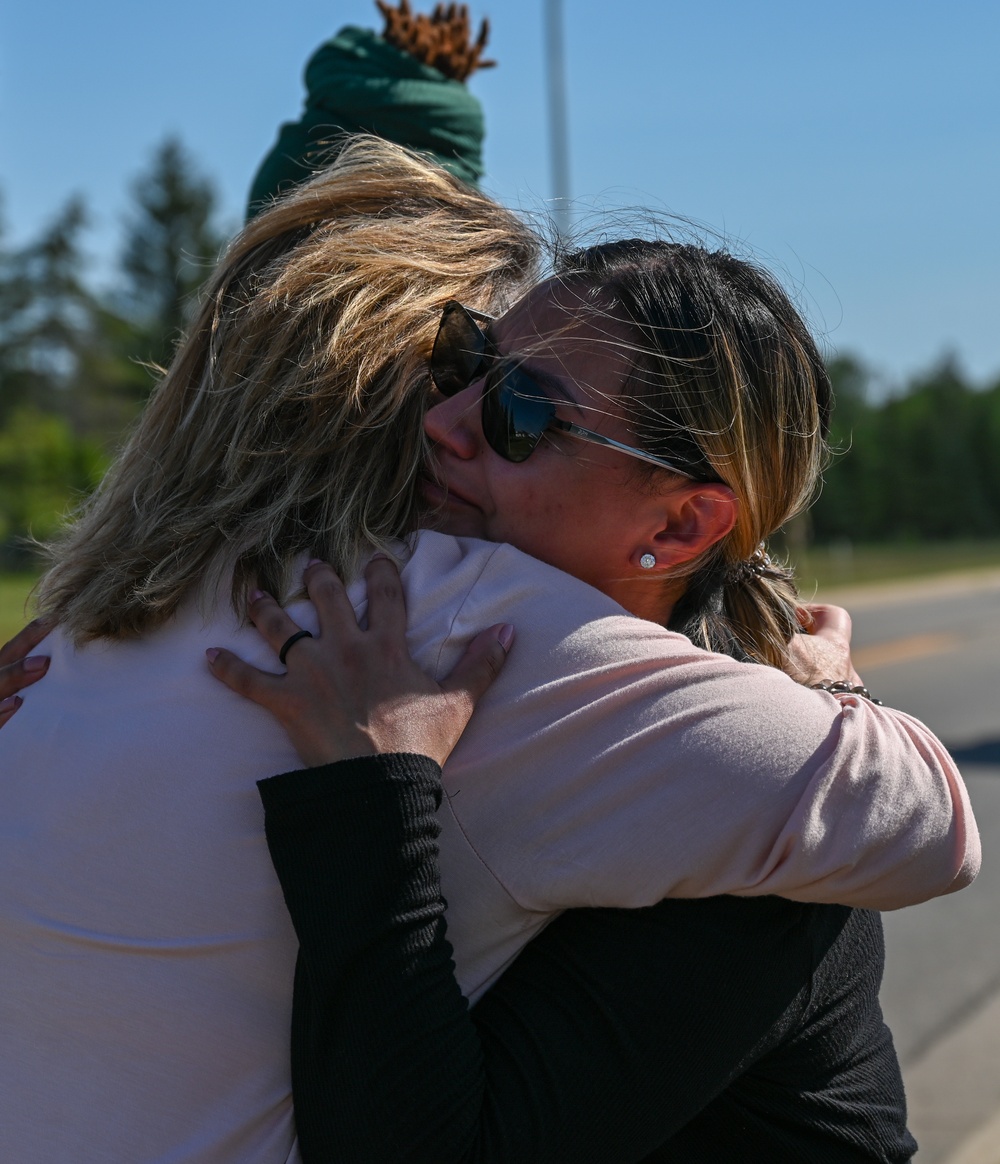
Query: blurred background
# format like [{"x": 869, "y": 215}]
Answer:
[{"x": 852, "y": 148}]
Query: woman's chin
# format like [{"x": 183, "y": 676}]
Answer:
[
  {"x": 458, "y": 523},
  {"x": 448, "y": 514}
]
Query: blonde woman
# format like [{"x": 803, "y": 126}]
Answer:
[
  {"x": 139, "y": 915},
  {"x": 145, "y": 950}
]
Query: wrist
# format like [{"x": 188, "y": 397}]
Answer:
[
  {"x": 316, "y": 753},
  {"x": 845, "y": 687}
]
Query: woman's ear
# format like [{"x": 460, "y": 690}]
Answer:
[{"x": 694, "y": 517}]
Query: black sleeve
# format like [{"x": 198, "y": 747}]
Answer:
[{"x": 607, "y": 1034}]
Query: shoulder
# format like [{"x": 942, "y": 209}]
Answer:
[
  {"x": 577, "y": 651},
  {"x": 479, "y": 583},
  {"x": 434, "y": 559}
]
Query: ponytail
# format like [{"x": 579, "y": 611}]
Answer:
[{"x": 746, "y": 611}]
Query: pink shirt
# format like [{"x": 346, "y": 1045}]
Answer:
[{"x": 145, "y": 955}]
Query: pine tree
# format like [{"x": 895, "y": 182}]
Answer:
[
  {"x": 45, "y": 315},
  {"x": 171, "y": 245}
]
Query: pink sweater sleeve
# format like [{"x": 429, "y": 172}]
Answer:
[
  {"x": 888, "y": 817},
  {"x": 613, "y": 763}
]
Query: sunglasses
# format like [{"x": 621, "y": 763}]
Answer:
[{"x": 516, "y": 411}]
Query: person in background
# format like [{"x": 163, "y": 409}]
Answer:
[{"x": 406, "y": 86}]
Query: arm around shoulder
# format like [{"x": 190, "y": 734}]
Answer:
[
  {"x": 580, "y": 1052},
  {"x": 652, "y": 769}
]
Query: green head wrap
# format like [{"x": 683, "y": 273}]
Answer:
[{"x": 358, "y": 83}]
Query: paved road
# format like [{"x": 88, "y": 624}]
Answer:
[{"x": 934, "y": 650}]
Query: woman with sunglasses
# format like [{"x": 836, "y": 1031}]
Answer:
[
  {"x": 726, "y": 1029},
  {"x": 617, "y": 764}
]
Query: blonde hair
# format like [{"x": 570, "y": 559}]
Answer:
[
  {"x": 290, "y": 419},
  {"x": 726, "y": 382}
]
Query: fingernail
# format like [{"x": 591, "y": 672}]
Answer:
[
  {"x": 256, "y": 595},
  {"x": 35, "y": 663},
  {"x": 380, "y": 557},
  {"x": 212, "y": 654},
  {"x": 314, "y": 562},
  {"x": 506, "y": 636},
  {"x": 11, "y": 703}
]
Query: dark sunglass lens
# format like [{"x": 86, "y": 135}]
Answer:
[
  {"x": 457, "y": 356},
  {"x": 513, "y": 420}
]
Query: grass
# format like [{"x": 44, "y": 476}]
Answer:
[
  {"x": 844, "y": 564},
  {"x": 14, "y": 589},
  {"x": 822, "y": 568}
]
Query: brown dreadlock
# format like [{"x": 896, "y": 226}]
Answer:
[{"x": 442, "y": 40}]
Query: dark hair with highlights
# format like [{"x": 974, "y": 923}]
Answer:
[{"x": 727, "y": 381}]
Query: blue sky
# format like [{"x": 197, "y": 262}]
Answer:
[{"x": 851, "y": 147}]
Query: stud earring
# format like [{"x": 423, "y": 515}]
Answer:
[{"x": 647, "y": 561}]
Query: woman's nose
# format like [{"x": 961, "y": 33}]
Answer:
[{"x": 454, "y": 423}]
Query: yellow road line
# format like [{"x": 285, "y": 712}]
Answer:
[{"x": 904, "y": 650}]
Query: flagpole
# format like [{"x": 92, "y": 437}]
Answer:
[{"x": 558, "y": 130}]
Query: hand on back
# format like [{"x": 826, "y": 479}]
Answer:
[
  {"x": 19, "y": 668},
  {"x": 351, "y": 692}
]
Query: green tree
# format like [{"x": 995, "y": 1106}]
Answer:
[
  {"x": 75, "y": 365},
  {"x": 923, "y": 464},
  {"x": 934, "y": 482},
  {"x": 843, "y": 507},
  {"x": 171, "y": 244},
  {"x": 45, "y": 315},
  {"x": 45, "y": 469},
  {"x": 986, "y": 444}
]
